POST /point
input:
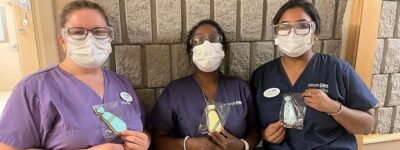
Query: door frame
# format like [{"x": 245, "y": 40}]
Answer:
[
  {"x": 11, "y": 62},
  {"x": 359, "y": 45},
  {"x": 46, "y": 32},
  {"x": 38, "y": 43}
]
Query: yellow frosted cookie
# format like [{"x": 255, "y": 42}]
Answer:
[{"x": 213, "y": 122}]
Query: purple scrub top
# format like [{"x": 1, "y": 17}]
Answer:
[
  {"x": 180, "y": 107},
  {"x": 52, "y": 109}
]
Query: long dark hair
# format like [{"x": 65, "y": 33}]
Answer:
[
  {"x": 190, "y": 35},
  {"x": 307, "y": 7}
]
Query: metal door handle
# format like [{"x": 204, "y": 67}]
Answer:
[{"x": 13, "y": 46}]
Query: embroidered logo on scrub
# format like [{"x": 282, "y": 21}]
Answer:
[
  {"x": 235, "y": 103},
  {"x": 213, "y": 119},
  {"x": 271, "y": 92},
  {"x": 116, "y": 124},
  {"x": 323, "y": 86}
]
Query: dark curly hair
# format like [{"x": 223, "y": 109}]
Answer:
[
  {"x": 192, "y": 31},
  {"x": 307, "y": 7}
]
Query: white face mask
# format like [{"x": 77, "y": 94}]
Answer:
[
  {"x": 294, "y": 45},
  {"x": 208, "y": 56},
  {"x": 90, "y": 52}
]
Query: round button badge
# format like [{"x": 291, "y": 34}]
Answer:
[
  {"x": 126, "y": 97},
  {"x": 271, "y": 92}
]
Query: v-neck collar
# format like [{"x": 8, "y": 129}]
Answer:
[
  {"x": 302, "y": 73},
  {"x": 105, "y": 83},
  {"x": 197, "y": 85}
]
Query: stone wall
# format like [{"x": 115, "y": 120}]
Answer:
[
  {"x": 386, "y": 71},
  {"x": 149, "y": 34}
]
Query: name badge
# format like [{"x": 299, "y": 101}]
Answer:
[
  {"x": 271, "y": 92},
  {"x": 126, "y": 97}
]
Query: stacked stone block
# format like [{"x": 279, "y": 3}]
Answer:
[
  {"x": 386, "y": 70},
  {"x": 149, "y": 47}
]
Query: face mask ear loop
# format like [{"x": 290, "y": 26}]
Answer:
[
  {"x": 191, "y": 57},
  {"x": 64, "y": 34},
  {"x": 313, "y": 27},
  {"x": 313, "y": 39},
  {"x": 312, "y": 31}
]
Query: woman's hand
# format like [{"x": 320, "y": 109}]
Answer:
[
  {"x": 134, "y": 140},
  {"x": 107, "y": 146},
  {"x": 200, "y": 143},
  {"x": 275, "y": 132},
  {"x": 318, "y": 100},
  {"x": 226, "y": 141}
]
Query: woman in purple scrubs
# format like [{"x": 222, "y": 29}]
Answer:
[
  {"x": 177, "y": 115},
  {"x": 54, "y": 108}
]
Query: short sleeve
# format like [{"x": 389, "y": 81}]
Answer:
[
  {"x": 162, "y": 116},
  {"x": 21, "y": 120},
  {"x": 253, "y": 83},
  {"x": 138, "y": 105},
  {"x": 358, "y": 96},
  {"x": 143, "y": 114},
  {"x": 251, "y": 116}
]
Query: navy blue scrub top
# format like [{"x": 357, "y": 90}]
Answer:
[
  {"x": 320, "y": 130},
  {"x": 180, "y": 107}
]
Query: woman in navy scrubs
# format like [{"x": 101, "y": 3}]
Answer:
[
  {"x": 177, "y": 115},
  {"x": 337, "y": 101}
]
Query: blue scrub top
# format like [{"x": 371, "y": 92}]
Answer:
[
  {"x": 180, "y": 107},
  {"x": 320, "y": 130}
]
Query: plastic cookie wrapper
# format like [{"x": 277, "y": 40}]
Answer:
[
  {"x": 214, "y": 117},
  {"x": 113, "y": 119},
  {"x": 293, "y": 110}
]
